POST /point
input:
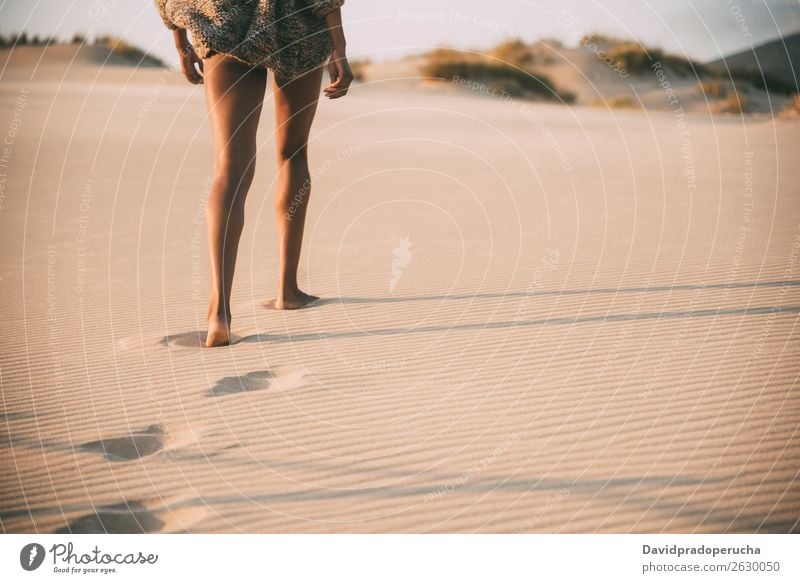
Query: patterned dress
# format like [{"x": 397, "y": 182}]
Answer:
[{"x": 288, "y": 36}]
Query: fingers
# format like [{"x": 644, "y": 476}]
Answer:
[
  {"x": 333, "y": 71},
  {"x": 341, "y": 76},
  {"x": 340, "y": 83},
  {"x": 190, "y": 65},
  {"x": 332, "y": 93},
  {"x": 191, "y": 73},
  {"x": 193, "y": 77},
  {"x": 336, "y": 90}
]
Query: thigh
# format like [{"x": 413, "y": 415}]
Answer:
[
  {"x": 295, "y": 105},
  {"x": 234, "y": 97}
]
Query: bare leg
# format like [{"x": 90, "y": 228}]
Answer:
[
  {"x": 295, "y": 106},
  {"x": 234, "y": 96}
]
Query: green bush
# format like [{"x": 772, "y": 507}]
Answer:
[
  {"x": 636, "y": 58},
  {"x": 713, "y": 88},
  {"x": 616, "y": 102},
  {"x": 792, "y": 109},
  {"x": 600, "y": 39},
  {"x": 23, "y": 40},
  {"x": 358, "y": 67},
  {"x": 734, "y": 103},
  {"x": 514, "y": 52}
]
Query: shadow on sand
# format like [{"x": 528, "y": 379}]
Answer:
[{"x": 196, "y": 338}]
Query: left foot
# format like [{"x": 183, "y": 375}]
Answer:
[
  {"x": 219, "y": 332},
  {"x": 294, "y": 301}
]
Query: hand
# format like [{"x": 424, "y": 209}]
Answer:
[
  {"x": 189, "y": 59},
  {"x": 341, "y": 76}
]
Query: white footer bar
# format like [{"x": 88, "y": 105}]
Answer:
[{"x": 406, "y": 558}]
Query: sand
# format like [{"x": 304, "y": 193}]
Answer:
[{"x": 535, "y": 318}]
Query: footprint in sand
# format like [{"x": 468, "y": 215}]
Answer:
[
  {"x": 136, "y": 517},
  {"x": 140, "y": 444},
  {"x": 252, "y": 381},
  {"x": 15, "y": 415},
  {"x": 137, "y": 445},
  {"x": 288, "y": 381},
  {"x": 193, "y": 339},
  {"x": 258, "y": 381}
]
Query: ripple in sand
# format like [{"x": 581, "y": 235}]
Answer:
[
  {"x": 252, "y": 381},
  {"x": 130, "y": 447},
  {"x": 290, "y": 380}
]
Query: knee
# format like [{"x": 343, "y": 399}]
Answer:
[
  {"x": 293, "y": 154},
  {"x": 234, "y": 173}
]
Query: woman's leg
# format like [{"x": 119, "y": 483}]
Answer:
[
  {"x": 234, "y": 96},
  {"x": 295, "y": 106}
]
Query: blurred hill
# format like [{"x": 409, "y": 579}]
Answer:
[
  {"x": 601, "y": 71},
  {"x": 779, "y": 58},
  {"x": 21, "y": 53}
]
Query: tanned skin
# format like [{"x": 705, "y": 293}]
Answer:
[{"x": 234, "y": 97}]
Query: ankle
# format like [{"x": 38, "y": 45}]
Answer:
[{"x": 219, "y": 315}]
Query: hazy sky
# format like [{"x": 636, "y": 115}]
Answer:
[{"x": 702, "y": 29}]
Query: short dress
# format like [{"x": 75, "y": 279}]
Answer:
[{"x": 288, "y": 36}]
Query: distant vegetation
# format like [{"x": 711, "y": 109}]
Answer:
[
  {"x": 22, "y": 39},
  {"x": 515, "y": 68},
  {"x": 616, "y": 102},
  {"x": 117, "y": 46},
  {"x": 505, "y": 70},
  {"x": 359, "y": 67},
  {"x": 638, "y": 59},
  {"x": 792, "y": 109},
  {"x": 734, "y": 103},
  {"x": 729, "y": 99},
  {"x": 714, "y": 88},
  {"x": 514, "y": 52}
]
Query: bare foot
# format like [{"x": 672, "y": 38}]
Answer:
[
  {"x": 295, "y": 301},
  {"x": 219, "y": 332}
]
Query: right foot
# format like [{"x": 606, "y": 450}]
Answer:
[
  {"x": 292, "y": 301},
  {"x": 219, "y": 332}
]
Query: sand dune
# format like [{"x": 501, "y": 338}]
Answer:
[
  {"x": 578, "y": 71},
  {"x": 534, "y": 318}
]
